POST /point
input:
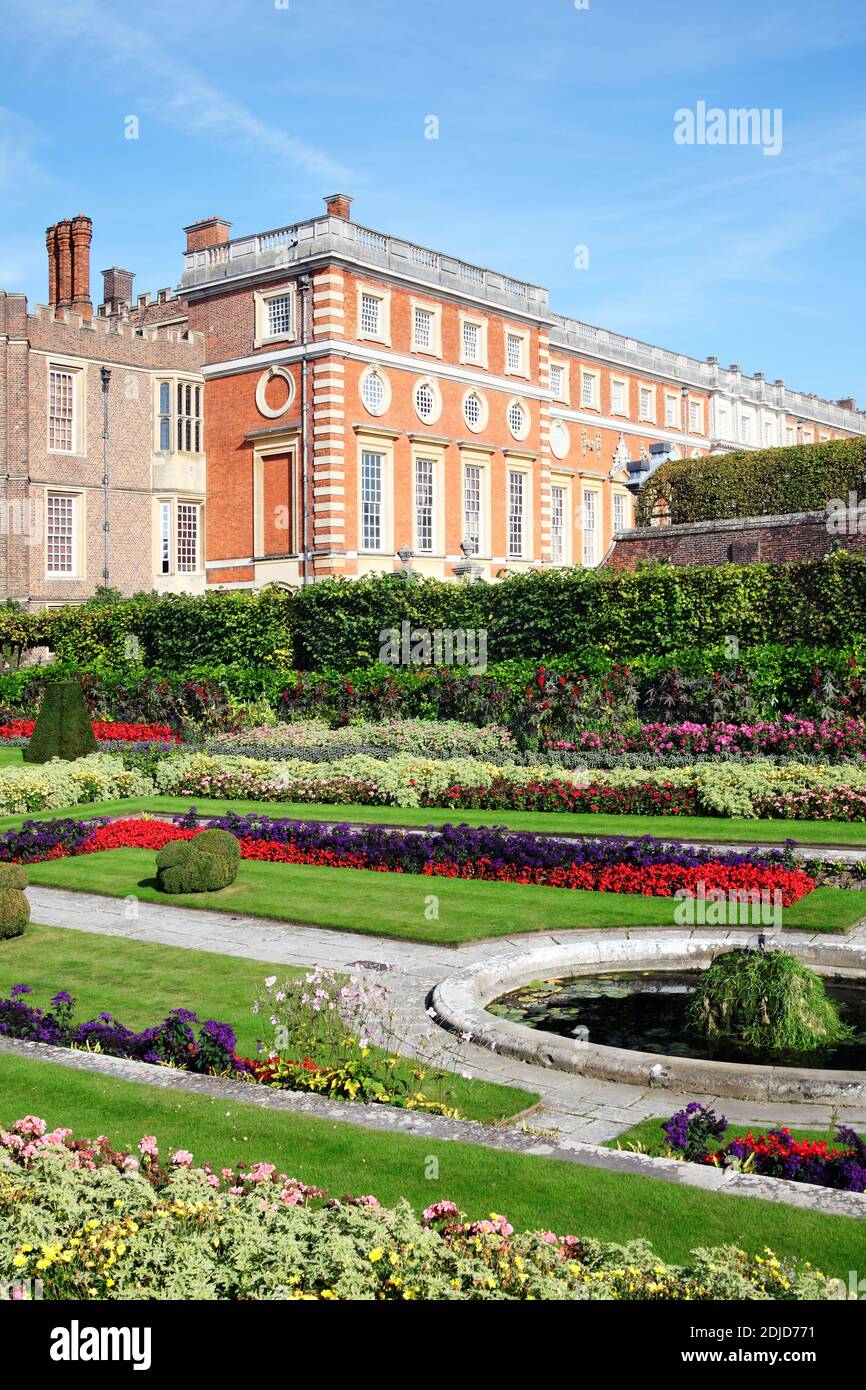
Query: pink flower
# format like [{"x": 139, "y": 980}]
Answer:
[
  {"x": 183, "y": 1158},
  {"x": 30, "y": 1124},
  {"x": 148, "y": 1147}
]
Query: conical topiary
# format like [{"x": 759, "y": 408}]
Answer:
[{"x": 63, "y": 729}]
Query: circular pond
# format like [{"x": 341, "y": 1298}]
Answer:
[{"x": 647, "y": 1011}]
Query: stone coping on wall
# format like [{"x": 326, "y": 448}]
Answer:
[
  {"x": 460, "y": 1000},
  {"x": 772, "y": 521},
  {"x": 436, "y": 1128}
]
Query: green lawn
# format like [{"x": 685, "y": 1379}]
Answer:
[
  {"x": 534, "y": 1192},
  {"x": 11, "y": 757},
  {"x": 398, "y": 904},
  {"x": 138, "y": 983},
  {"x": 710, "y": 828},
  {"x": 648, "y": 1135}
]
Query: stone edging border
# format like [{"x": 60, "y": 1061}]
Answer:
[
  {"x": 725, "y": 1182},
  {"x": 460, "y": 1002}
]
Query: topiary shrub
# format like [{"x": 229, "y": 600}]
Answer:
[
  {"x": 14, "y": 907},
  {"x": 63, "y": 728},
  {"x": 771, "y": 1001},
  {"x": 204, "y": 864}
]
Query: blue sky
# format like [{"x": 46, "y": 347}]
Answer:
[{"x": 555, "y": 130}]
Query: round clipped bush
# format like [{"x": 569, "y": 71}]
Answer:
[
  {"x": 203, "y": 864},
  {"x": 63, "y": 728},
  {"x": 771, "y": 1001},
  {"x": 218, "y": 842},
  {"x": 14, "y": 907}
]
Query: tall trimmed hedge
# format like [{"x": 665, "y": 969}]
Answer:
[
  {"x": 173, "y": 631},
  {"x": 763, "y": 482},
  {"x": 248, "y": 639},
  {"x": 648, "y": 611}
]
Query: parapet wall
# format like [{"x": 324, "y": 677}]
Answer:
[{"x": 742, "y": 541}]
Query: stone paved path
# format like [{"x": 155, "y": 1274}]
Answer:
[{"x": 581, "y": 1109}]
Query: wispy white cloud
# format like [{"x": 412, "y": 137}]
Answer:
[
  {"x": 694, "y": 236},
  {"x": 19, "y": 167},
  {"x": 170, "y": 88}
]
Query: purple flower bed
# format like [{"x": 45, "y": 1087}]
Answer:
[
  {"x": 411, "y": 850},
  {"x": 48, "y": 839},
  {"x": 790, "y": 736},
  {"x": 460, "y": 844},
  {"x": 170, "y": 1043},
  {"x": 776, "y": 1154}
]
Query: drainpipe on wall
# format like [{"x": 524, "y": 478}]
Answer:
[
  {"x": 105, "y": 376},
  {"x": 306, "y": 426}
]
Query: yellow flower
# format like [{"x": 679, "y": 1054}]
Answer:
[{"x": 376, "y": 1254}]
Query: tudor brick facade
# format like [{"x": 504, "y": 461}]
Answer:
[{"x": 60, "y": 366}]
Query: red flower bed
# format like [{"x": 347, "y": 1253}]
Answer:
[
  {"x": 135, "y": 834},
  {"x": 104, "y": 730},
  {"x": 134, "y": 733},
  {"x": 779, "y": 1155},
  {"x": 649, "y": 880}
]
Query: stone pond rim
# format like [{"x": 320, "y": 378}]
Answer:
[{"x": 461, "y": 998}]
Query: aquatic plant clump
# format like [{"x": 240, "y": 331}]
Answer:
[{"x": 766, "y": 1000}]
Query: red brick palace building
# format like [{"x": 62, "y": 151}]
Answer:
[{"x": 315, "y": 398}]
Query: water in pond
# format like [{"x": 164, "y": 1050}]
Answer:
[{"x": 646, "y": 1012}]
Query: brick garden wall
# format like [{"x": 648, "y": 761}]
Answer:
[{"x": 746, "y": 540}]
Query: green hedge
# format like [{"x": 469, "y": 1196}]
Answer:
[
  {"x": 763, "y": 482},
  {"x": 652, "y": 610},
  {"x": 173, "y": 631},
  {"x": 255, "y": 638}
]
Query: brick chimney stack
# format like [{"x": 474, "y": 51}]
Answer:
[
  {"x": 116, "y": 288},
  {"x": 51, "y": 248},
  {"x": 210, "y": 231},
  {"x": 82, "y": 236},
  {"x": 59, "y": 246},
  {"x": 68, "y": 246},
  {"x": 339, "y": 205}
]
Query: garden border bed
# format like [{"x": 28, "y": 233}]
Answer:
[
  {"x": 461, "y": 1000},
  {"x": 822, "y": 1200}
]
